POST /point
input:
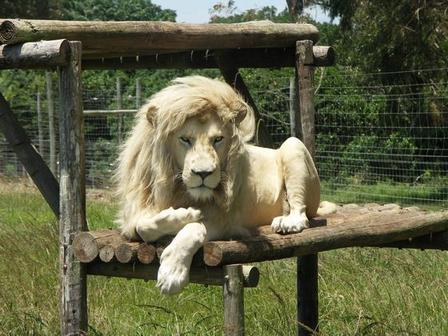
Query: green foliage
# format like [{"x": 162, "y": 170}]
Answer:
[
  {"x": 118, "y": 10},
  {"x": 31, "y": 9}
]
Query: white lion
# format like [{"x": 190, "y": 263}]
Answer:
[{"x": 187, "y": 170}]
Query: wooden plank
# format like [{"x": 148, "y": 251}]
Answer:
[
  {"x": 138, "y": 37},
  {"x": 233, "y": 77},
  {"x": 207, "y": 59},
  {"x": 201, "y": 275},
  {"x": 34, "y": 55},
  {"x": 28, "y": 156},
  {"x": 73, "y": 287},
  {"x": 381, "y": 229},
  {"x": 233, "y": 294}
]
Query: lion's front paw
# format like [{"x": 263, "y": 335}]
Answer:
[
  {"x": 173, "y": 272},
  {"x": 292, "y": 223}
]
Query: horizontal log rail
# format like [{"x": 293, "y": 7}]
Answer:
[
  {"x": 208, "y": 59},
  {"x": 34, "y": 55},
  {"x": 381, "y": 227},
  {"x": 101, "y": 38},
  {"x": 200, "y": 275}
]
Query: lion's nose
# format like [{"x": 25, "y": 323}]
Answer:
[{"x": 202, "y": 173}]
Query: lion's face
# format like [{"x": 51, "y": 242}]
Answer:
[{"x": 199, "y": 150}]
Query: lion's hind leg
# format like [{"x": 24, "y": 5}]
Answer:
[{"x": 302, "y": 187}]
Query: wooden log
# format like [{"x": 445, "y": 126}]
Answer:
[
  {"x": 34, "y": 55},
  {"x": 233, "y": 294},
  {"x": 203, "y": 275},
  {"x": 107, "y": 253},
  {"x": 87, "y": 245},
  {"x": 233, "y": 77},
  {"x": 127, "y": 252},
  {"x": 73, "y": 280},
  {"x": 207, "y": 59},
  {"x": 29, "y": 156},
  {"x": 146, "y": 253},
  {"x": 103, "y": 37},
  {"x": 387, "y": 229}
]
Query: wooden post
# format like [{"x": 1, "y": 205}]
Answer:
[
  {"x": 307, "y": 266},
  {"x": 120, "y": 115},
  {"x": 51, "y": 124},
  {"x": 233, "y": 292},
  {"x": 73, "y": 294},
  {"x": 138, "y": 93},
  {"x": 40, "y": 131},
  {"x": 294, "y": 113}
]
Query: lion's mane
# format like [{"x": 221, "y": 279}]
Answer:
[{"x": 146, "y": 175}]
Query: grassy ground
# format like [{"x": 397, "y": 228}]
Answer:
[{"x": 362, "y": 291}]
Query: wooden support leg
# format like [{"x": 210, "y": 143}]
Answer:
[
  {"x": 28, "y": 156},
  {"x": 73, "y": 293},
  {"x": 307, "y": 269},
  {"x": 233, "y": 292}
]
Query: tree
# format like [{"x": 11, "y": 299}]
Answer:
[
  {"x": 118, "y": 10},
  {"x": 31, "y": 9}
]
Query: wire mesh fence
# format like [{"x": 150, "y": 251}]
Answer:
[{"x": 381, "y": 137}]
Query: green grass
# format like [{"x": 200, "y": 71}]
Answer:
[{"x": 362, "y": 291}]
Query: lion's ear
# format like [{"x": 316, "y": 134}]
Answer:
[
  {"x": 151, "y": 115},
  {"x": 245, "y": 121}
]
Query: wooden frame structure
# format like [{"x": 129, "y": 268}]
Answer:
[{"x": 135, "y": 45}]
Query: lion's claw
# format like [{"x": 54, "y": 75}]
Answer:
[{"x": 292, "y": 223}]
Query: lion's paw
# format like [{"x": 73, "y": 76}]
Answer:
[
  {"x": 292, "y": 223},
  {"x": 173, "y": 272}
]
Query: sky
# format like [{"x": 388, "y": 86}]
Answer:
[{"x": 197, "y": 11}]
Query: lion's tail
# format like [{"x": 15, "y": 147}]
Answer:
[{"x": 326, "y": 208}]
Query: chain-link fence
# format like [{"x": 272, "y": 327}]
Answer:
[{"x": 380, "y": 137}]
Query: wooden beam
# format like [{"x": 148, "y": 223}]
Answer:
[
  {"x": 201, "y": 275},
  {"x": 34, "y": 55},
  {"x": 208, "y": 59},
  {"x": 366, "y": 230},
  {"x": 73, "y": 287},
  {"x": 29, "y": 156},
  {"x": 103, "y": 37}
]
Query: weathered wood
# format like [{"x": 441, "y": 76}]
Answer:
[
  {"x": 207, "y": 59},
  {"x": 203, "y": 275},
  {"x": 323, "y": 56},
  {"x": 233, "y": 77},
  {"x": 294, "y": 113},
  {"x": 307, "y": 265},
  {"x": 28, "y": 156},
  {"x": 138, "y": 37},
  {"x": 146, "y": 253},
  {"x": 382, "y": 229},
  {"x": 51, "y": 122},
  {"x": 107, "y": 253},
  {"x": 233, "y": 294},
  {"x": 73, "y": 287},
  {"x": 304, "y": 77},
  {"x": 88, "y": 244},
  {"x": 34, "y": 55},
  {"x": 127, "y": 252}
]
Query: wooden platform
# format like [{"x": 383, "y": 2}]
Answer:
[{"x": 370, "y": 225}]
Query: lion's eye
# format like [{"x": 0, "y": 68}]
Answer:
[
  {"x": 218, "y": 140},
  {"x": 185, "y": 140}
]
